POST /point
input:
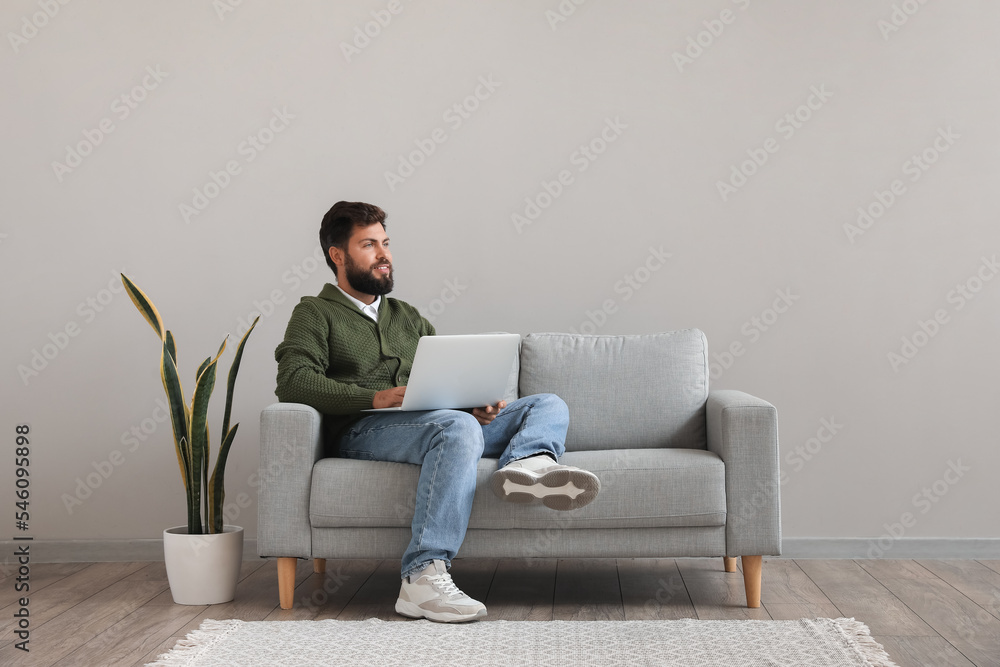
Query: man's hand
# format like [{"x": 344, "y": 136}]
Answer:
[
  {"x": 489, "y": 413},
  {"x": 389, "y": 398}
]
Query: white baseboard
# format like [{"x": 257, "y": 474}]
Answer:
[
  {"x": 91, "y": 551},
  {"x": 903, "y": 547},
  {"x": 99, "y": 551}
]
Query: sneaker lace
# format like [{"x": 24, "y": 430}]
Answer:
[{"x": 443, "y": 583}]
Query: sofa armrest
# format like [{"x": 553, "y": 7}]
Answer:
[
  {"x": 290, "y": 444},
  {"x": 743, "y": 431}
]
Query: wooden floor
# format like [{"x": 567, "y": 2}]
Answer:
[{"x": 926, "y": 612}]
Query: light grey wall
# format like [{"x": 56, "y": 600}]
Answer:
[{"x": 887, "y": 80}]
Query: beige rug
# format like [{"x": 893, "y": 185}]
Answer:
[{"x": 821, "y": 642}]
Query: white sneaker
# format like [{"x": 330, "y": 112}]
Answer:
[
  {"x": 539, "y": 477},
  {"x": 433, "y": 595}
]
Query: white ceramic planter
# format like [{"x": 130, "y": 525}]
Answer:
[{"x": 203, "y": 569}]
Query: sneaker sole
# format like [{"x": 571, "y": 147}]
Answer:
[
  {"x": 581, "y": 479},
  {"x": 410, "y": 610}
]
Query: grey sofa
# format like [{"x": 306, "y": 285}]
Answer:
[{"x": 684, "y": 471}]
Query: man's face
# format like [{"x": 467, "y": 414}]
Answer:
[{"x": 368, "y": 262}]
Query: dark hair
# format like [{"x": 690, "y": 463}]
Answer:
[{"x": 341, "y": 221}]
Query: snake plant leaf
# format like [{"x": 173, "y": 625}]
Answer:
[
  {"x": 144, "y": 305},
  {"x": 198, "y": 429},
  {"x": 208, "y": 436},
  {"x": 231, "y": 383},
  {"x": 217, "y": 485},
  {"x": 178, "y": 411},
  {"x": 201, "y": 368},
  {"x": 208, "y": 360},
  {"x": 188, "y": 488},
  {"x": 192, "y": 438},
  {"x": 206, "y": 492},
  {"x": 171, "y": 347}
]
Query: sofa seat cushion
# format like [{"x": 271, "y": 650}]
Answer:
[{"x": 640, "y": 488}]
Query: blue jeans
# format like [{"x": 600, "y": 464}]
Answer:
[{"x": 447, "y": 445}]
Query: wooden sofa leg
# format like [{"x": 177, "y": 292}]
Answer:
[
  {"x": 751, "y": 580},
  {"x": 319, "y": 565},
  {"x": 286, "y": 581},
  {"x": 729, "y": 563}
]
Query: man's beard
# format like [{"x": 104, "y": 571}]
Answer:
[{"x": 364, "y": 280}]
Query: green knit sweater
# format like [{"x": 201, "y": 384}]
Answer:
[{"x": 334, "y": 357}]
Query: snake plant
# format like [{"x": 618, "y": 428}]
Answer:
[{"x": 190, "y": 421}]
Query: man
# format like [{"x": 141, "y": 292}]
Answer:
[{"x": 351, "y": 348}]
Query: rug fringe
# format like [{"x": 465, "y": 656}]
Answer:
[
  {"x": 860, "y": 636},
  {"x": 209, "y": 632}
]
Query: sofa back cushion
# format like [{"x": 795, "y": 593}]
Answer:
[{"x": 623, "y": 391}]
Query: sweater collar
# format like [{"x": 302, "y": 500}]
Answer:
[
  {"x": 331, "y": 292},
  {"x": 365, "y": 308}
]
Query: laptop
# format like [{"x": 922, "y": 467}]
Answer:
[{"x": 459, "y": 371}]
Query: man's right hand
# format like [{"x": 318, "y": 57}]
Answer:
[{"x": 389, "y": 398}]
